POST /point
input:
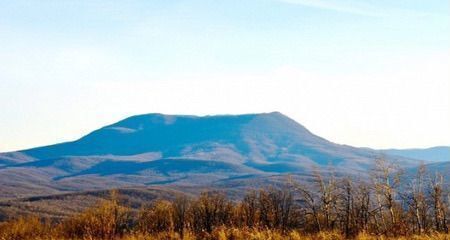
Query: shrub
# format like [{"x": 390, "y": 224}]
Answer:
[
  {"x": 108, "y": 220},
  {"x": 25, "y": 228}
]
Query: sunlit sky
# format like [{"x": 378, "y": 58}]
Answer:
[{"x": 364, "y": 73}]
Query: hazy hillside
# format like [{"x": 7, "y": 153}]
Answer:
[
  {"x": 443, "y": 167},
  {"x": 435, "y": 154},
  {"x": 63, "y": 205},
  {"x": 156, "y": 149}
]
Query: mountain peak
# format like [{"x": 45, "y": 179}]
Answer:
[
  {"x": 189, "y": 149},
  {"x": 170, "y": 134},
  {"x": 257, "y": 138},
  {"x": 137, "y": 121}
]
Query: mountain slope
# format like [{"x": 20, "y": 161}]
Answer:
[
  {"x": 434, "y": 154},
  {"x": 441, "y": 167},
  {"x": 155, "y": 149}
]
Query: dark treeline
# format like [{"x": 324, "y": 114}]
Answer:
[{"x": 386, "y": 204}]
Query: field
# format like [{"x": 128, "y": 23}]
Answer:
[{"x": 328, "y": 208}]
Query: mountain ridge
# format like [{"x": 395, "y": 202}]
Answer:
[
  {"x": 182, "y": 150},
  {"x": 435, "y": 154}
]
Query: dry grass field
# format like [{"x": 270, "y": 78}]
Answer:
[{"x": 386, "y": 207}]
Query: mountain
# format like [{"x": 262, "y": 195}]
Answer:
[
  {"x": 180, "y": 150},
  {"x": 440, "y": 167},
  {"x": 433, "y": 170},
  {"x": 434, "y": 154}
]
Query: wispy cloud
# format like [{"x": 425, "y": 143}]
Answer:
[{"x": 357, "y": 8}]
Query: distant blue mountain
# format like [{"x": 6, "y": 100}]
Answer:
[
  {"x": 180, "y": 149},
  {"x": 440, "y": 167},
  {"x": 434, "y": 154}
]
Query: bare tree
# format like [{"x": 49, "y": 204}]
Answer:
[
  {"x": 415, "y": 198},
  {"x": 275, "y": 208},
  {"x": 310, "y": 200},
  {"x": 249, "y": 209},
  {"x": 386, "y": 180},
  {"x": 156, "y": 218},
  {"x": 328, "y": 197},
  {"x": 438, "y": 204},
  {"x": 348, "y": 215},
  {"x": 362, "y": 201},
  {"x": 210, "y": 210},
  {"x": 179, "y": 213}
]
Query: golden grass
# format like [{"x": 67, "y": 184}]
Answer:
[
  {"x": 110, "y": 221},
  {"x": 31, "y": 228},
  {"x": 253, "y": 234}
]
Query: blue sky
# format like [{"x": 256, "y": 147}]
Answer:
[{"x": 365, "y": 73}]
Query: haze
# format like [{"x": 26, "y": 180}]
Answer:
[{"x": 363, "y": 73}]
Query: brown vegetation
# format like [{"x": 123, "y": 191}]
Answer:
[{"x": 386, "y": 207}]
